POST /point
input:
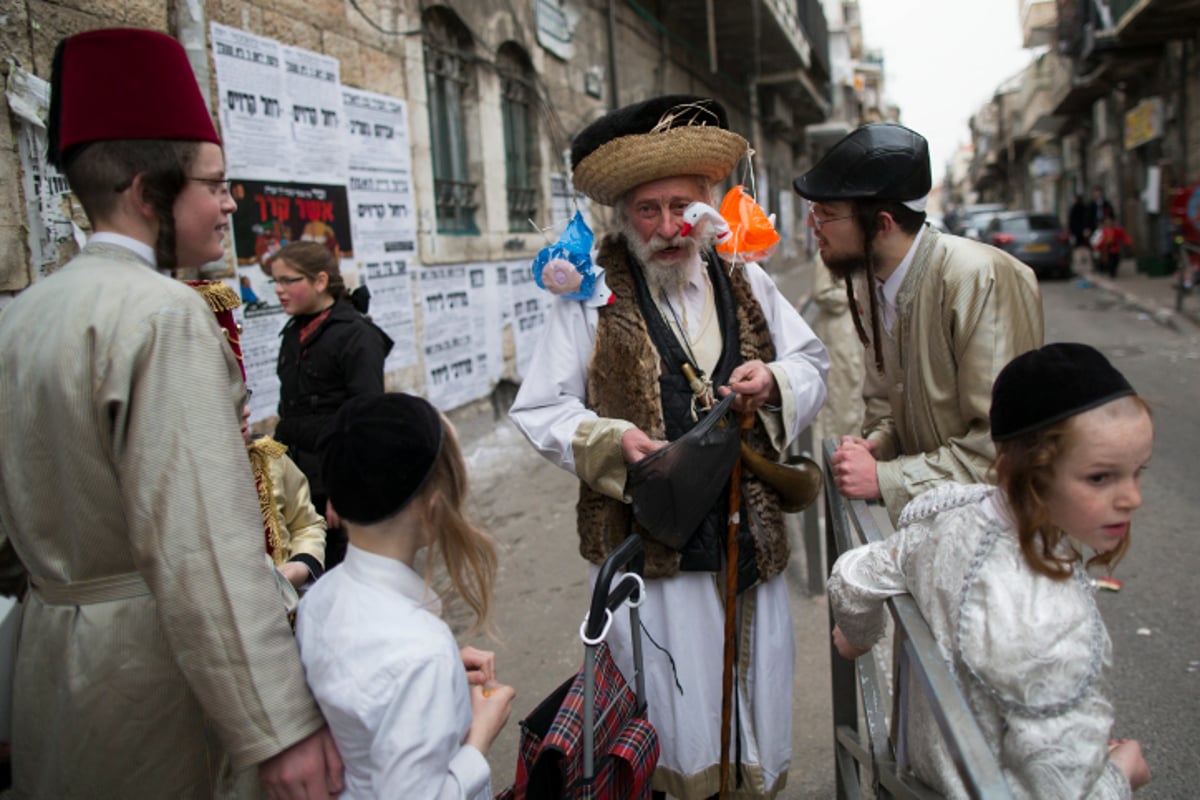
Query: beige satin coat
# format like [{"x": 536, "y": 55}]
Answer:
[
  {"x": 965, "y": 310},
  {"x": 121, "y": 455}
]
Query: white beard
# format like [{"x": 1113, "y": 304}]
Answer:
[{"x": 667, "y": 277}]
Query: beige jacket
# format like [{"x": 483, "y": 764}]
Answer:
[
  {"x": 155, "y": 637},
  {"x": 966, "y": 310}
]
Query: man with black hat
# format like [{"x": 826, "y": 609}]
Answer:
[
  {"x": 946, "y": 314},
  {"x": 618, "y": 375},
  {"x": 154, "y": 641}
]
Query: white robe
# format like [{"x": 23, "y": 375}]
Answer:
[{"x": 549, "y": 410}]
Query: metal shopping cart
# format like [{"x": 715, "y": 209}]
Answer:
[{"x": 590, "y": 739}]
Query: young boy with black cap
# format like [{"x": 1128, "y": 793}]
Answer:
[
  {"x": 1000, "y": 573},
  {"x": 153, "y": 641},
  {"x": 945, "y": 314}
]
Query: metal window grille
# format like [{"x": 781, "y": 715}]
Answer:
[
  {"x": 448, "y": 76},
  {"x": 518, "y": 95}
]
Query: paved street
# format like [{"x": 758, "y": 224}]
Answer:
[{"x": 529, "y": 506}]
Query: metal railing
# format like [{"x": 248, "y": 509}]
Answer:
[{"x": 918, "y": 666}]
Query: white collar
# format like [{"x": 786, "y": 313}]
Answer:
[
  {"x": 891, "y": 287},
  {"x": 139, "y": 248},
  {"x": 388, "y": 574}
]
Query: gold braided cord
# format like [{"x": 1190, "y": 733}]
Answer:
[
  {"x": 262, "y": 452},
  {"x": 218, "y": 295}
]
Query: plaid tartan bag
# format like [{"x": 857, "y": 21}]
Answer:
[{"x": 550, "y": 763}]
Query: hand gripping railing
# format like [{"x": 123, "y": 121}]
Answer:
[{"x": 849, "y": 523}]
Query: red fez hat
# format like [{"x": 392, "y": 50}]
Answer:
[
  {"x": 223, "y": 300},
  {"x": 123, "y": 83}
]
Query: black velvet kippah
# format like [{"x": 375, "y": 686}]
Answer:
[
  {"x": 378, "y": 452},
  {"x": 1045, "y": 386}
]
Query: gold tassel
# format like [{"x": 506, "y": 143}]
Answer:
[
  {"x": 218, "y": 295},
  {"x": 262, "y": 452}
]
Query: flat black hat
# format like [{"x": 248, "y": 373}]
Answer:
[
  {"x": 1047, "y": 385},
  {"x": 880, "y": 161},
  {"x": 378, "y": 454}
]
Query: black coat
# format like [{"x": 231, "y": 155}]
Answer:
[{"x": 342, "y": 359}]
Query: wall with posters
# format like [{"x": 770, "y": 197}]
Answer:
[{"x": 325, "y": 113}]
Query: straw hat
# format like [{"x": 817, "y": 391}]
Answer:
[{"x": 657, "y": 138}]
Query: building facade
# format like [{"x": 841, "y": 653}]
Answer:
[{"x": 493, "y": 93}]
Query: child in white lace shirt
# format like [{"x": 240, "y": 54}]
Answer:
[{"x": 999, "y": 575}]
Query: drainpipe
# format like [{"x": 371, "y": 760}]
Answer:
[
  {"x": 190, "y": 30},
  {"x": 612, "y": 55}
]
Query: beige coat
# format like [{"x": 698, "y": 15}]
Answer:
[
  {"x": 842, "y": 414},
  {"x": 155, "y": 637},
  {"x": 966, "y": 310}
]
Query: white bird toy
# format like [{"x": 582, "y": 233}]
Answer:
[{"x": 697, "y": 213}]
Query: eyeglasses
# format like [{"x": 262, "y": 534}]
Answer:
[
  {"x": 219, "y": 186},
  {"x": 287, "y": 281},
  {"x": 818, "y": 222}
]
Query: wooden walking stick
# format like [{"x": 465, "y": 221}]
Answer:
[{"x": 731, "y": 572}]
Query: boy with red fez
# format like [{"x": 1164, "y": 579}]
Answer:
[{"x": 153, "y": 639}]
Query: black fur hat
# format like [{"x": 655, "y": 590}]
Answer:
[
  {"x": 1045, "y": 386},
  {"x": 879, "y": 161},
  {"x": 657, "y": 138}
]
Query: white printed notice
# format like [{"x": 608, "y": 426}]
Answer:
[
  {"x": 530, "y": 309},
  {"x": 250, "y": 84},
  {"x": 381, "y": 199},
  {"x": 389, "y": 278},
  {"x": 261, "y": 325},
  {"x": 314, "y": 93},
  {"x": 456, "y": 369}
]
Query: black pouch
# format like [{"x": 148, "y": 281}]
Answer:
[{"x": 674, "y": 487}]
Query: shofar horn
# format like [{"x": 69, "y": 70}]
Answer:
[{"x": 797, "y": 479}]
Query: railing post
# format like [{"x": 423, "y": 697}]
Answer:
[{"x": 843, "y": 688}]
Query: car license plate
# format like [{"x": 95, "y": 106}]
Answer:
[{"x": 1037, "y": 247}]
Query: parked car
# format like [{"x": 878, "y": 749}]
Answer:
[
  {"x": 1038, "y": 239},
  {"x": 975, "y": 219}
]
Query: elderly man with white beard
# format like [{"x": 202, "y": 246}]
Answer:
[{"x": 608, "y": 386}]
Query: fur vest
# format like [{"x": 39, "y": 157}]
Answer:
[{"x": 626, "y": 378}]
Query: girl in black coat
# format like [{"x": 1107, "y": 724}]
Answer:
[{"x": 329, "y": 354}]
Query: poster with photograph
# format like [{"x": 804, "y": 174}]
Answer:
[
  {"x": 272, "y": 213},
  {"x": 456, "y": 369},
  {"x": 252, "y": 101}
]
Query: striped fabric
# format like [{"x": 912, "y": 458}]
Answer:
[{"x": 550, "y": 762}]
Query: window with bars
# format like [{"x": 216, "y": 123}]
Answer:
[
  {"x": 518, "y": 104},
  {"x": 450, "y": 82}
]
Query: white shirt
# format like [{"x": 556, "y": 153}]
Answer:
[
  {"x": 389, "y": 678},
  {"x": 139, "y": 248},
  {"x": 889, "y": 290}
]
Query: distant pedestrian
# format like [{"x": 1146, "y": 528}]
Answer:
[
  {"x": 1113, "y": 243},
  {"x": 1077, "y": 222},
  {"x": 1098, "y": 209}
]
